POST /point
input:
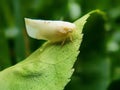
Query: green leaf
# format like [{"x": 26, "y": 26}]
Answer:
[
  {"x": 93, "y": 67},
  {"x": 48, "y": 68}
]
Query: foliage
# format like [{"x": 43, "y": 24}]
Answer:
[
  {"x": 50, "y": 67},
  {"x": 99, "y": 44}
]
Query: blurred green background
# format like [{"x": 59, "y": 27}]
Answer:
[{"x": 98, "y": 65}]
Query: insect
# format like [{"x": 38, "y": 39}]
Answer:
[{"x": 54, "y": 31}]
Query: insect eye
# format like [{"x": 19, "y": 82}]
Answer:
[{"x": 68, "y": 29}]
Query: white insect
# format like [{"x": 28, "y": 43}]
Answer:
[{"x": 54, "y": 31}]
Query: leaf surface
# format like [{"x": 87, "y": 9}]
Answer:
[{"x": 48, "y": 68}]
